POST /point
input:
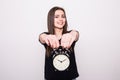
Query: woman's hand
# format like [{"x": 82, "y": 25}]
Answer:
[
  {"x": 68, "y": 38},
  {"x": 50, "y": 40}
]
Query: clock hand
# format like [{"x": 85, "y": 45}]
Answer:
[
  {"x": 59, "y": 61},
  {"x": 64, "y": 60}
]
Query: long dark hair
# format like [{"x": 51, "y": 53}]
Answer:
[
  {"x": 50, "y": 24},
  {"x": 50, "y": 20}
]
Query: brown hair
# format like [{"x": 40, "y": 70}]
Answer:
[{"x": 50, "y": 24}]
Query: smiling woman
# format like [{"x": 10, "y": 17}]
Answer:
[
  {"x": 60, "y": 63},
  {"x": 59, "y": 19}
]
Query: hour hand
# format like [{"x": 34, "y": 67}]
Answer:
[{"x": 60, "y": 61}]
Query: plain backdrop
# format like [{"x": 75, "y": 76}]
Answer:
[{"x": 97, "y": 51}]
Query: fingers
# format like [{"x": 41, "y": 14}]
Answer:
[
  {"x": 52, "y": 41},
  {"x": 67, "y": 41}
]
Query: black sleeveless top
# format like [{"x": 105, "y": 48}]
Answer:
[{"x": 51, "y": 74}]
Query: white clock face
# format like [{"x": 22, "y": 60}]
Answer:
[{"x": 61, "y": 62}]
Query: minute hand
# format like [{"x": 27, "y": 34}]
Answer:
[{"x": 64, "y": 60}]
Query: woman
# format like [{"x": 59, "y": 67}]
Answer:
[{"x": 57, "y": 36}]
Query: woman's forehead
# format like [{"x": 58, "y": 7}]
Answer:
[{"x": 59, "y": 12}]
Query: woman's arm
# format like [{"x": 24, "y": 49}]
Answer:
[
  {"x": 42, "y": 38},
  {"x": 75, "y": 34}
]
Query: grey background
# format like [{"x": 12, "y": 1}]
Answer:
[{"x": 97, "y": 51}]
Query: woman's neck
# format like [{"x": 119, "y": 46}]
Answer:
[{"x": 58, "y": 33}]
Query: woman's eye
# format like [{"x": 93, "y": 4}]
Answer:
[
  {"x": 63, "y": 16},
  {"x": 56, "y": 16}
]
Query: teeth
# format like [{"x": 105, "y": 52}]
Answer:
[{"x": 60, "y": 23}]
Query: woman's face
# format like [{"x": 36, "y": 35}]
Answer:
[{"x": 59, "y": 19}]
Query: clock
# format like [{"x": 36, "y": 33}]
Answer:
[
  {"x": 61, "y": 59},
  {"x": 61, "y": 62}
]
